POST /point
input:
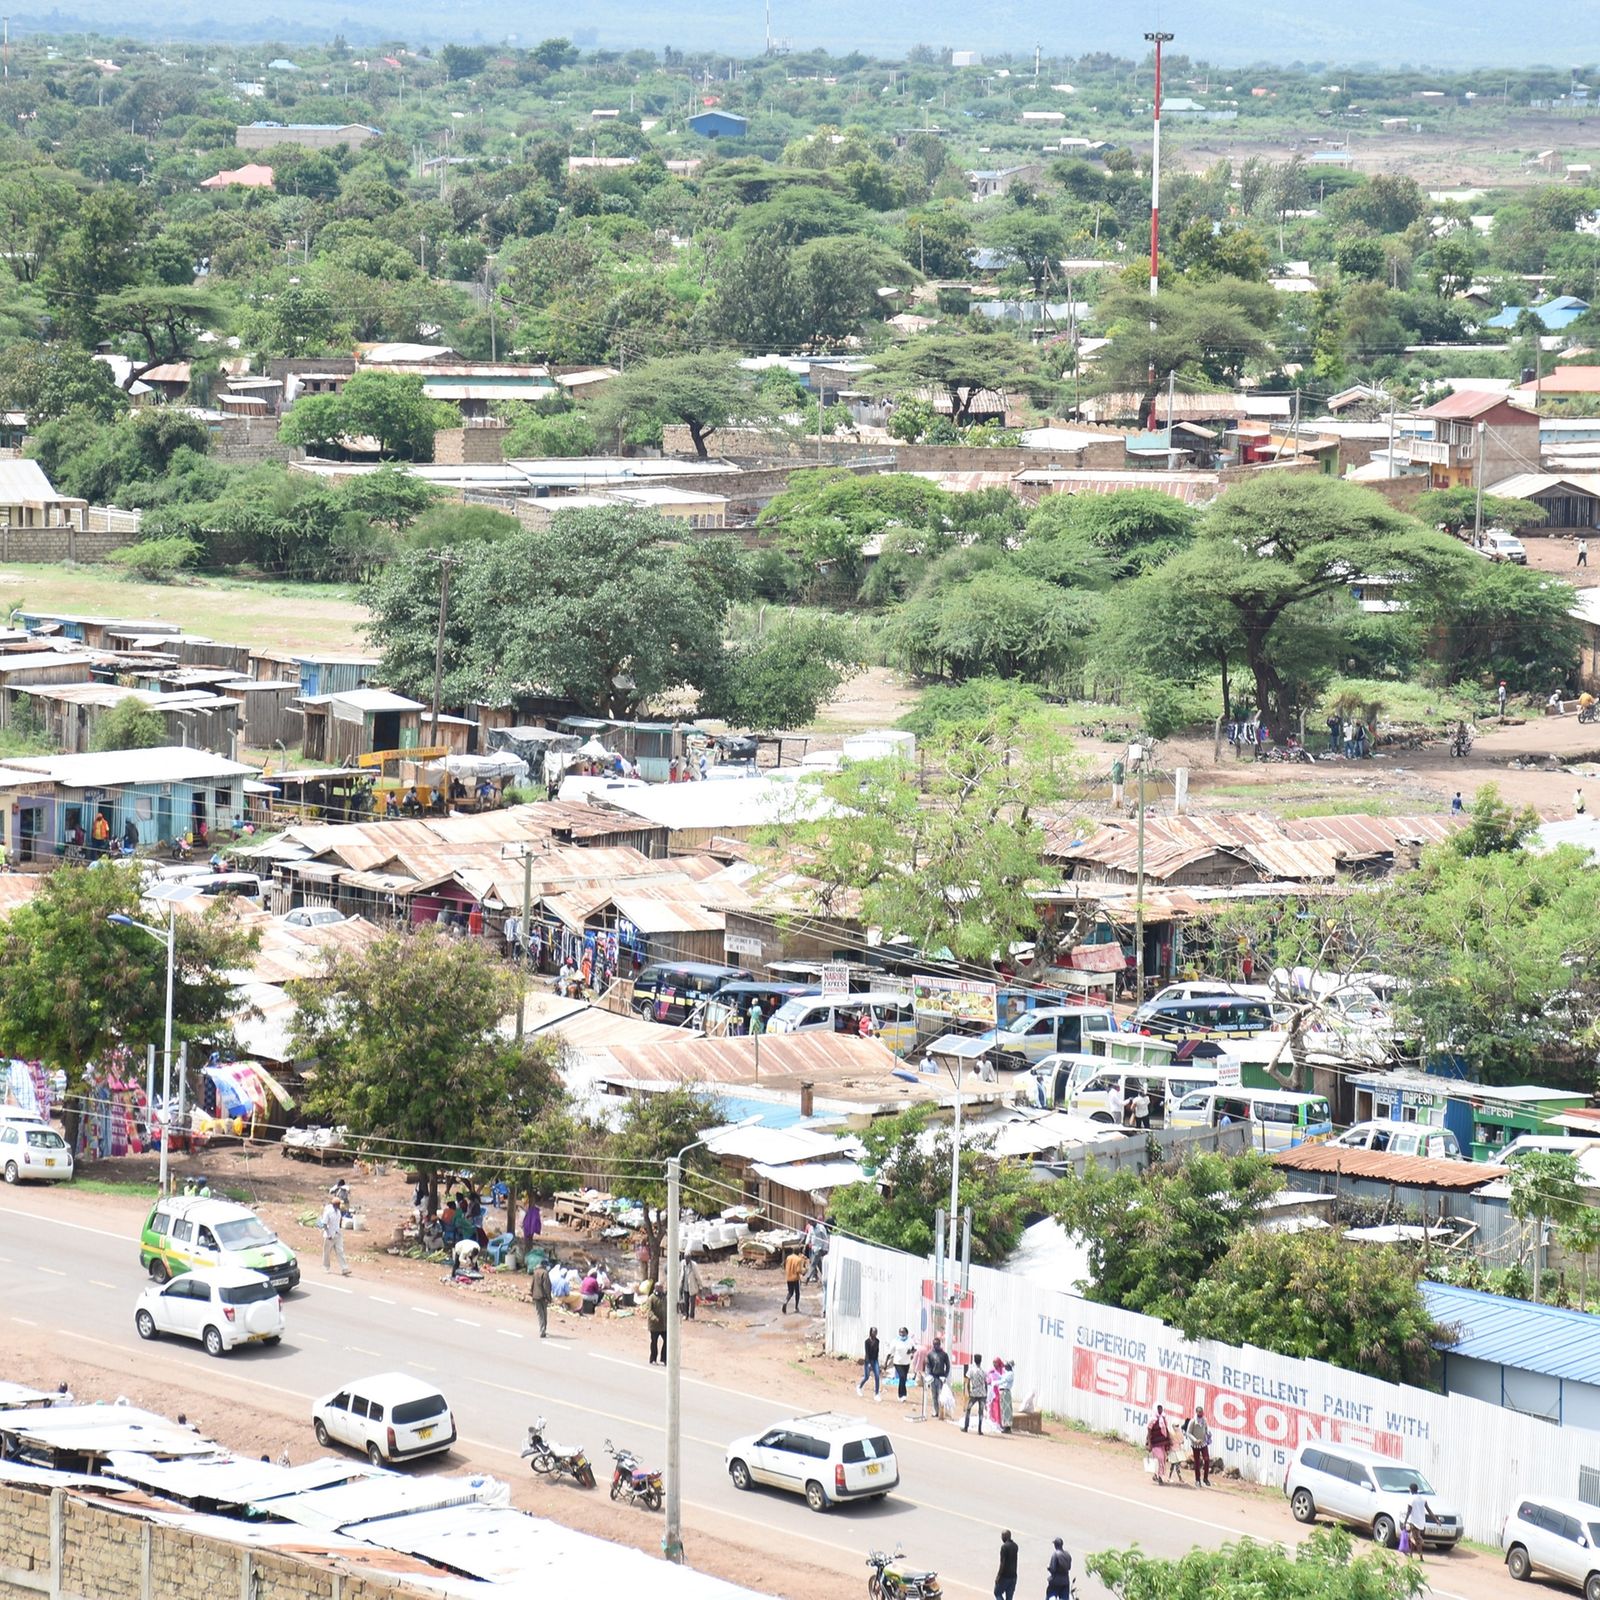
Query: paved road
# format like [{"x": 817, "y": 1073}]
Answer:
[{"x": 80, "y": 1280}]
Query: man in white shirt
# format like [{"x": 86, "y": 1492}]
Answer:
[{"x": 331, "y": 1226}]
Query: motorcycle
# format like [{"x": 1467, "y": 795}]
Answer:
[
  {"x": 630, "y": 1481},
  {"x": 1589, "y": 713},
  {"x": 546, "y": 1457},
  {"x": 890, "y": 1581}
]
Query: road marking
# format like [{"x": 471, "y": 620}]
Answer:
[
  {"x": 100, "y": 1283},
  {"x": 61, "y": 1222},
  {"x": 361, "y": 1350},
  {"x": 506, "y": 1333},
  {"x": 332, "y": 1288},
  {"x": 55, "y": 1272},
  {"x": 378, "y": 1300},
  {"x": 26, "y": 1322},
  {"x": 467, "y": 1322},
  {"x": 315, "y": 1338},
  {"x": 422, "y": 1311}
]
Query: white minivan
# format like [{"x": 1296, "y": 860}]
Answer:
[
  {"x": 1401, "y": 1139},
  {"x": 391, "y": 1416},
  {"x": 1365, "y": 1490},
  {"x": 1560, "y": 1538}
]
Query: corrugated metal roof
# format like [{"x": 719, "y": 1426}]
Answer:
[
  {"x": 652, "y": 915},
  {"x": 1461, "y": 1176},
  {"x": 1517, "y": 1333}
]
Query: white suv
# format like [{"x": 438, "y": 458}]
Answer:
[
  {"x": 1366, "y": 1490},
  {"x": 1401, "y": 1139},
  {"x": 392, "y": 1416},
  {"x": 223, "y": 1307},
  {"x": 1558, "y": 1537},
  {"x": 31, "y": 1149},
  {"x": 827, "y": 1457}
]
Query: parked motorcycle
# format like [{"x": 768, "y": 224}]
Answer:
[
  {"x": 630, "y": 1481},
  {"x": 891, "y": 1581},
  {"x": 546, "y": 1457}
]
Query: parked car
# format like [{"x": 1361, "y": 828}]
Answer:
[
  {"x": 391, "y": 1416},
  {"x": 1401, "y": 1139},
  {"x": 312, "y": 917},
  {"x": 828, "y": 1457},
  {"x": 222, "y": 1307},
  {"x": 185, "y": 1232},
  {"x": 1559, "y": 1538},
  {"x": 32, "y": 1151},
  {"x": 1499, "y": 545},
  {"x": 1367, "y": 1491}
]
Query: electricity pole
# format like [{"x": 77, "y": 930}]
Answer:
[
  {"x": 1157, "y": 39},
  {"x": 1477, "y": 481},
  {"x": 446, "y": 561}
]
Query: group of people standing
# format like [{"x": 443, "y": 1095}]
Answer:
[
  {"x": 1165, "y": 1441},
  {"x": 1349, "y": 737},
  {"x": 988, "y": 1389},
  {"x": 1057, "y": 1572}
]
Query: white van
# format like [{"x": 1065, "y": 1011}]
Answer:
[
  {"x": 187, "y": 1231},
  {"x": 392, "y": 1417},
  {"x": 1278, "y": 1119},
  {"x": 893, "y": 1019},
  {"x": 1100, "y": 1090},
  {"x": 1401, "y": 1139},
  {"x": 1212, "y": 989},
  {"x": 30, "y": 1149}
]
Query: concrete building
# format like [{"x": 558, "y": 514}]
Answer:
[
  {"x": 1458, "y": 451},
  {"x": 307, "y": 135}
]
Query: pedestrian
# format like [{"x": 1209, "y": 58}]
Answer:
[
  {"x": 1199, "y": 1431},
  {"x": 1005, "y": 1578},
  {"x": 818, "y": 1250},
  {"x": 1500, "y": 696},
  {"x": 900, "y": 1353},
  {"x": 1362, "y": 740},
  {"x": 1349, "y": 739},
  {"x": 977, "y": 1381},
  {"x": 1141, "y": 1106},
  {"x": 1456, "y": 807},
  {"x": 1333, "y": 734},
  {"x": 689, "y": 1287},
  {"x": 331, "y": 1226},
  {"x": 130, "y": 836},
  {"x": 757, "y": 1024},
  {"x": 794, "y": 1271},
  {"x": 1158, "y": 1441},
  {"x": 937, "y": 1368},
  {"x": 869, "y": 1364},
  {"x": 539, "y": 1294},
  {"x": 656, "y": 1316},
  {"x": 1119, "y": 776},
  {"x": 1058, "y": 1575},
  {"x": 1007, "y": 1381},
  {"x": 1578, "y": 807},
  {"x": 1583, "y": 552},
  {"x": 1415, "y": 1522}
]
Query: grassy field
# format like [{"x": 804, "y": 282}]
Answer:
[{"x": 280, "y": 616}]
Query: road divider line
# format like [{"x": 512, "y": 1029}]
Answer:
[
  {"x": 378, "y": 1300},
  {"x": 506, "y": 1333},
  {"x": 467, "y": 1322},
  {"x": 423, "y": 1311},
  {"x": 98, "y": 1283},
  {"x": 55, "y": 1272},
  {"x": 27, "y": 1322}
]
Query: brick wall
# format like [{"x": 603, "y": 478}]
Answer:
[
  {"x": 753, "y": 445},
  {"x": 478, "y": 442},
  {"x": 248, "y": 440},
  {"x": 108, "y": 1555},
  {"x": 59, "y": 544}
]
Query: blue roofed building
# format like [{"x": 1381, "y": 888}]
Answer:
[
  {"x": 1554, "y": 314},
  {"x": 1543, "y": 1361},
  {"x": 719, "y": 125}
]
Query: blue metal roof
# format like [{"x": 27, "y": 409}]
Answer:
[{"x": 1517, "y": 1333}]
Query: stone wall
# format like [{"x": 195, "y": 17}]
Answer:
[
  {"x": 754, "y": 445},
  {"x": 476, "y": 442},
  {"x": 104, "y": 1554},
  {"x": 248, "y": 440},
  {"x": 60, "y": 544}
]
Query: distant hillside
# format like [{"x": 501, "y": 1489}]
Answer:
[{"x": 1420, "y": 32}]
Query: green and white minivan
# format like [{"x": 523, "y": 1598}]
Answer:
[{"x": 194, "y": 1232}]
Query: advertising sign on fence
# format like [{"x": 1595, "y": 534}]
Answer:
[{"x": 953, "y": 999}]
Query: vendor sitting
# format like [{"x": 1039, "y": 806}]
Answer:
[{"x": 589, "y": 1294}]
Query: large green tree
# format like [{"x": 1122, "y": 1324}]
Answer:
[
  {"x": 703, "y": 392},
  {"x": 47, "y": 381},
  {"x": 779, "y": 679},
  {"x": 388, "y": 407},
  {"x": 1287, "y": 540},
  {"x": 962, "y": 367},
  {"x": 608, "y": 607},
  {"x": 412, "y": 1054}
]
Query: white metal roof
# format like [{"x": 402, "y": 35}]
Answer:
[
  {"x": 22, "y": 482},
  {"x": 111, "y": 769}
]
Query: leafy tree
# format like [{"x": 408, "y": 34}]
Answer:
[
  {"x": 606, "y": 607},
  {"x": 1325, "y": 1567},
  {"x": 1545, "y": 1191},
  {"x": 1207, "y": 332},
  {"x": 1318, "y": 1297},
  {"x": 910, "y": 1162},
  {"x": 1505, "y": 621},
  {"x": 1137, "y": 529},
  {"x": 946, "y": 860},
  {"x": 1284, "y": 539},
  {"x": 568, "y": 433},
  {"x": 948, "y": 710},
  {"x": 1386, "y": 203},
  {"x": 703, "y": 392},
  {"x": 1455, "y": 509},
  {"x": 156, "y": 560},
  {"x": 780, "y": 679},
  {"x": 1033, "y": 240},
  {"x": 1361, "y": 256},
  {"x": 389, "y": 407},
  {"x": 411, "y": 1054},
  {"x": 297, "y": 319},
  {"x": 937, "y": 240},
  {"x": 1493, "y": 828},
  {"x": 454, "y": 527},
  {"x": 48, "y": 381},
  {"x": 164, "y": 319},
  {"x": 130, "y": 724},
  {"x": 73, "y": 985},
  {"x": 390, "y": 496},
  {"x": 92, "y": 258},
  {"x": 961, "y": 366},
  {"x": 1153, "y": 1236}
]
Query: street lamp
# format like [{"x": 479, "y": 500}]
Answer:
[
  {"x": 168, "y": 936},
  {"x": 671, "y": 1477}
]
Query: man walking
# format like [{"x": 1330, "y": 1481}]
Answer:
[
  {"x": 1005, "y": 1579},
  {"x": 977, "y": 1393},
  {"x": 539, "y": 1294},
  {"x": 794, "y": 1271},
  {"x": 331, "y": 1226},
  {"x": 1500, "y": 696},
  {"x": 1583, "y": 552},
  {"x": 1199, "y": 1432},
  {"x": 900, "y": 1353},
  {"x": 658, "y": 1324},
  {"x": 937, "y": 1369},
  {"x": 1058, "y": 1575},
  {"x": 1415, "y": 1522}
]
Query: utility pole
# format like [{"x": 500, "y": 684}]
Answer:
[
  {"x": 488, "y": 291},
  {"x": 1391, "y": 435},
  {"x": 522, "y": 938},
  {"x": 1157, "y": 39},
  {"x": 446, "y": 561},
  {"x": 1138, "y": 896},
  {"x": 1477, "y": 481}
]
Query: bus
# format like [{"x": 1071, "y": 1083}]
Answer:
[
  {"x": 1211, "y": 1016},
  {"x": 1278, "y": 1119}
]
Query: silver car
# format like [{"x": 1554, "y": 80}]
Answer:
[
  {"x": 1367, "y": 1491},
  {"x": 1559, "y": 1538}
]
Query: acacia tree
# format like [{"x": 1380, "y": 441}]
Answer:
[
  {"x": 703, "y": 392},
  {"x": 411, "y": 1055},
  {"x": 165, "y": 319},
  {"x": 963, "y": 366},
  {"x": 1287, "y": 540}
]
